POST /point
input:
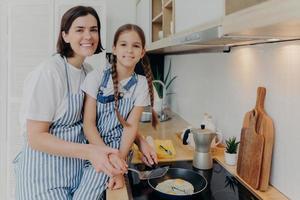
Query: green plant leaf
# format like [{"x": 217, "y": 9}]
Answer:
[
  {"x": 169, "y": 70},
  {"x": 231, "y": 145},
  {"x": 168, "y": 85}
]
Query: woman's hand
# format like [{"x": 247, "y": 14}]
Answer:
[
  {"x": 116, "y": 182},
  {"x": 149, "y": 154},
  {"x": 99, "y": 157}
]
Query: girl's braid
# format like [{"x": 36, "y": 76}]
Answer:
[
  {"x": 114, "y": 75},
  {"x": 148, "y": 73}
]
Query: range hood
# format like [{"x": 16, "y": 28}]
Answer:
[{"x": 271, "y": 21}]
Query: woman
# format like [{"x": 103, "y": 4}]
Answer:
[{"x": 50, "y": 164}]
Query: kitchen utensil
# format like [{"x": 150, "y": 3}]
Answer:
[
  {"x": 155, "y": 173},
  {"x": 202, "y": 156},
  {"x": 166, "y": 150},
  {"x": 250, "y": 153},
  {"x": 265, "y": 127},
  {"x": 197, "y": 180}
]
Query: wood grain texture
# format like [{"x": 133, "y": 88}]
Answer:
[
  {"x": 250, "y": 153},
  {"x": 265, "y": 127}
]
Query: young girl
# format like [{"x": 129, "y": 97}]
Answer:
[
  {"x": 51, "y": 162},
  {"x": 115, "y": 99}
]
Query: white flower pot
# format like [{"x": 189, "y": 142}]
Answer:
[{"x": 230, "y": 158}]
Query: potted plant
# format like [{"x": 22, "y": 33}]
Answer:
[
  {"x": 231, "y": 150},
  {"x": 161, "y": 86}
]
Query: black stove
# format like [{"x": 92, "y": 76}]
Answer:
[{"x": 221, "y": 184}]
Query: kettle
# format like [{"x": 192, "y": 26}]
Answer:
[{"x": 202, "y": 155}]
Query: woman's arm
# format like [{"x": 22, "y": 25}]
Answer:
[
  {"x": 129, "y": 133},
  {"x": 40, "y": 139}
]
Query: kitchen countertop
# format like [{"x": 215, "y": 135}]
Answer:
[{"x": 170, "y": 130}]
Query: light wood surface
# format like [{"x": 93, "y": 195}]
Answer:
[
  {"x": 234, "y": 5},
  {"x": 168, "y": 130},
  {"x": 250, "y": 152}
]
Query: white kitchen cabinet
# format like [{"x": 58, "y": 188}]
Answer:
[
  {"x": 143, "y": 18},
  {"x": 194, "y": 12}
]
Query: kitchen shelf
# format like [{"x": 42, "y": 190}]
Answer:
[
  {"x": 162, "y": 23},
  {"x": 169, "y": 4},
  {"x": 158, "y": 18}
]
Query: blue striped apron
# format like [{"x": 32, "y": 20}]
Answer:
[
  {"x": 41, "y": 176},
  {"x": 93, "y": 184}
]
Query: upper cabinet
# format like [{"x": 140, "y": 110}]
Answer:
[
  {"x": 221, "y": 24},
  {"x": 162, "y": 21},
  {"x": 189, "y": 14}
]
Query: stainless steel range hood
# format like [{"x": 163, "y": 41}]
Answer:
[{"x": 272, "y": 21}]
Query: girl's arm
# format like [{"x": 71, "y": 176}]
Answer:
[
  {"x": 91, "y": 132},
  {"x": 40, "y": 139},
  {"x": 129, "y": 133},
  {"x": 149, "y": 154}
]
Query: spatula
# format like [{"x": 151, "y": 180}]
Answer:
[{"x": 155, "y": 173}]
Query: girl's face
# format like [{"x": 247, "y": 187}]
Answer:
[
  {"x": 83, "y": 36},
  {"x": 129, "y": 49}
]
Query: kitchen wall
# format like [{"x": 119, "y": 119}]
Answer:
[{"x": 224, "y": 85}]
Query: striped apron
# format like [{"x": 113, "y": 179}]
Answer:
[
  {"x": 43, "y": 176},
  {"x": 93, "y": 184}
]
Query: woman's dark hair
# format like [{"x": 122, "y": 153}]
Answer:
[
  {"x": 146, "y": 66},
  {"x": 63, "y": 48}
]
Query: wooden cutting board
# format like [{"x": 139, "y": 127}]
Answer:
[
  {"x": 265, "y": 127},
  {"x": 250, "y": 153}
]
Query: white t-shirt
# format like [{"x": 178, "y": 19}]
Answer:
[
  {"x": 45, "y": 90},
  {"x": 140, "y": 96}
]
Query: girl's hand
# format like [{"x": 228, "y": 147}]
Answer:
[
  {"x": 99, "y": 157},
  {"x": 117, "y": 162},
  {"x": 116, "y": 182},
  {"x": 149, "y": 154}
]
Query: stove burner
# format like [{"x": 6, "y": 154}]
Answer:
[{"x": 221, "y": 184}]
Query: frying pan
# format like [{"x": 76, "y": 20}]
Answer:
[{"x": 197, "y": 180}]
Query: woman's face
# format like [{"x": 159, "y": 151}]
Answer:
[
  {"x": 83, "y": 36},
  {"x": 129, "y": 49}
]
